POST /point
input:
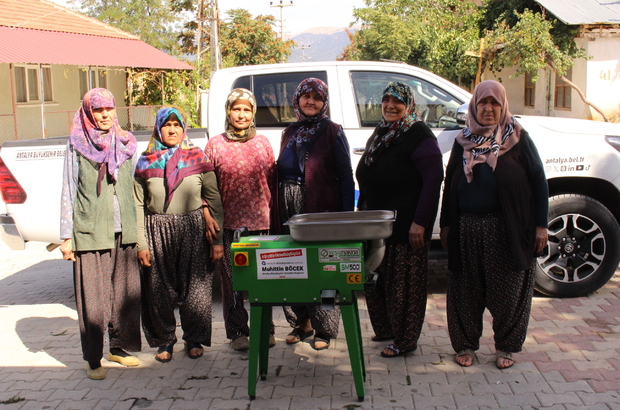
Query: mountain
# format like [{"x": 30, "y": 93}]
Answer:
[{"x": 319, "y": 44}]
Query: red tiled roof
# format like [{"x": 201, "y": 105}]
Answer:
[{"x": 18, "y": 45}]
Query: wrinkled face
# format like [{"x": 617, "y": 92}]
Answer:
[
  {"x": 104, "y": 117},
  {"x": 392, "y": 108},
  {"x": 488, "y": 111},
  {"x": 311, "y": 103},
  {"x": 171, "y": 133},
  {"x": 241, "y": 114}
]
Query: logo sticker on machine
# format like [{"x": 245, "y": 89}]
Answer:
[
  {"x": 340, "y": 255},
  {"x": 282, "y": 263},
  {"x": 350, "y": 267}
]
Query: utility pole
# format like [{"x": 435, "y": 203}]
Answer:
[
  {"x": 281, "y": 5},
  {"x": 303, "y": 52},
  {"x": 216, "y": 58}
]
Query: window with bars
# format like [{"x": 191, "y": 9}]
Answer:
[
  {"x": 92, "y": 78},
  {"x": 530, "y": 90},
  {"x": 563, "y": 91},
  {"x": 33, "y": 83}
]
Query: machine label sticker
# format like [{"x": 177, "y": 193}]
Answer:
[
  {"x": 245, "y": 245},
  {"x": 329, "y": 268},
  {"x": 350, "y": 267},
  {"x": 340, "y": 255},
  {"x": 354, "y": 278},
  {"x": 282, "y": 263},
  {"x": 264, "y": 238}
]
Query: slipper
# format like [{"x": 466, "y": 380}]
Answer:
[
  {"x": 503, "y": 355},
  {"x": 396, "y": 351},
  {"x": 164, "y": 349},
  {"x": 463, "y": 353},
  {"x": 377, "y": 338},
  {"x": 323, "y": 342},
  {"x": 298, "y": 335},
  {"x": 189, "y": 346},
  {"x": 122, "y": 357}
]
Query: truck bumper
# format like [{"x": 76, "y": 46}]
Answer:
[{"x": 10, "y": 235}]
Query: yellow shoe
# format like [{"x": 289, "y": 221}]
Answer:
[
  {"x": 272, "y": 340},
  {"x": 97, "y": 374},
  {"x": 124, "y": 360}
]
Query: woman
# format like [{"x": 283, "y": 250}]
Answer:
[
  {"x": 314, "y": 175},
  {"x": 493, "y": 221},
  {"x": 245, "y": 168},
  {"x": 401, "y": 169},
  {"x": 98, "y": 225},
  {"x": 172, "y": 179}
]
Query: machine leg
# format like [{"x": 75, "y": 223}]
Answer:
[
  {"x": 350, "y": 320},
  {"x": 256, "y": 313},
  {"x": 265, "y": 329}
]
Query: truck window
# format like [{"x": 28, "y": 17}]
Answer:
[
  {"x": 274, "y": 95},
  {"x": 436, "y": 107}
]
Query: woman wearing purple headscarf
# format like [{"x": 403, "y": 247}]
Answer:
[
  {"x": 98, "y": 225},
  {"x": 493, "y": 222},
  {"x": 314, "y": 175}
]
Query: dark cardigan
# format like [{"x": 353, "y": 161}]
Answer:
[{"x": 523, "y": 197}]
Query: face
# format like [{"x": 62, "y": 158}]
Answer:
[
  {"x": 241, "y": 114},
  {"x": 488, "y": 111},
  {"x": 171, "y": 133},
  {"x": 104, "y": 117},
  {"x": 392, "y": 108},
  {"x": 311, "y": 103}
]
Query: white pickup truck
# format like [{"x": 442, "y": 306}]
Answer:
[{"x": 582, "y": 160}]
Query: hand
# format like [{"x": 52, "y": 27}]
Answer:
[
  {"x": 216, "y": 252},
  {"x": 416, "y": 236},
  {"x": 542, "y": 237},
  {"x": 443, "y": 235},
  {"x": 144, "y": 257},
  {"x": 67, "y": 250},
  {"x": 212, "y": 227}
]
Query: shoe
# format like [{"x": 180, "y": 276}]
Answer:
[
  {"x": 272, "y": 340},
  {"x": 164, "y": 358},
  {"x": 377, "y": 338},
  {"x": 395, "y": 351},
  {"x": 321, "y": 342},
  {"x": 463, "y": 353},
  {"x": 123, "y": 358},
  {"x": 506, "y": 356},
  {"x": 97, "y": 374},
  {"x": 297, "y": 335},
  {"x": 240, "y": 344},
  {"x": 194, "y": 347}
]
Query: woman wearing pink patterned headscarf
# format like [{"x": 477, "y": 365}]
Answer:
[
  {"x": 493, "y": 222},
  {"x": 98, "y": 225}
]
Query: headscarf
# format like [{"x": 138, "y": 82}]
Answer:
[
  {"x": 231, "y": 132},
  {"x": 110, "y": 149},
  {"x": 308, "y": 128},
  {"x": 175, "y": 163},
  {"x": 485, "y": 143},
  {"x": 386, "y": 132}
]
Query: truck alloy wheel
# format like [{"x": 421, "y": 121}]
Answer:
[{"x": 583, "y": 251}]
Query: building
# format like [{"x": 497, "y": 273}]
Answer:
[
  {"x": 598, "y": 77},
  {"x": 51, "y": 55}
]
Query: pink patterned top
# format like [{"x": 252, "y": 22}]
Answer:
[{"x": 246, "y": 178}]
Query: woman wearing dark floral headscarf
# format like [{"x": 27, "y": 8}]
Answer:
[
  {"x": 314, "y": 175},
  {"x": 98, "y": 225},
  {"x": 401, "y": 169},
  {"x": 173, "y": 179}
]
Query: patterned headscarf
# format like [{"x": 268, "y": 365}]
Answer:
[
  {"x": 386, "y": 131},
  {"x": 172, "y": 164},
  {"x": 110, "y": 149},
  {"x": 485, "y": 143},
  {"x": 232, "y": 133}
]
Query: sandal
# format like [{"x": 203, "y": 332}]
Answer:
[
  {"x": 321, "y": 342},
  {"x": 463, "y": 353},
  {"x": 298, "y": 335},
  {"x": 503, "y": 355},
  {"x": 395, "y": 351},
  {"x": 377, "y": 338},
  {"x": 189, "y": 347},
  {"x": 164, "y": 349}
]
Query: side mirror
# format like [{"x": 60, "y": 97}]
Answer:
[{"x": 461, "y": 115}]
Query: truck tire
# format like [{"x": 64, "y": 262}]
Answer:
[{"x": 583, "y": 251}]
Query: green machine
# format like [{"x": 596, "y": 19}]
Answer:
[{"x": 326, "y": 259}]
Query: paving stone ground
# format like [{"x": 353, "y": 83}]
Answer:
[{"x": 571, "y": 358}]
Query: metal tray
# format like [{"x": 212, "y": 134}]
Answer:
[{"x": 341, "y": 226}]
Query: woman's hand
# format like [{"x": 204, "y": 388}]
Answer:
[
  {"x": 144, "y": 257},
  {"x": 67, "y": 250},
  {"x": 416, "y": 236},
  {"x": 216, "y": 252},
  {"x": 443, "y": 235},
  {"x": 542, "y": 237},
  {"x": 211, "y": 224}
]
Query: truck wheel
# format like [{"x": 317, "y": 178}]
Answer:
[{"x": 583, "y": 251}]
